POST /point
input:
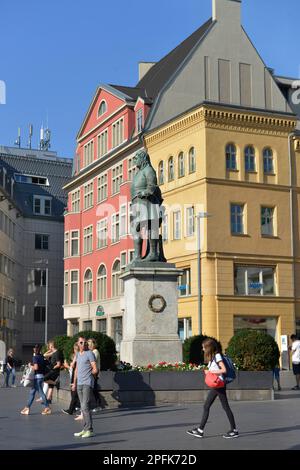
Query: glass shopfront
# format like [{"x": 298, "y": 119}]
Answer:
[{"x": 266, "y": 324}]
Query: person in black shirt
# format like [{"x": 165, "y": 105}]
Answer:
[
  {"x": 10, "y": 368},
  {"x": 75, "y": 403},
  {"x": 38, "y": 365},
  {"x": 56, "y": 360}
]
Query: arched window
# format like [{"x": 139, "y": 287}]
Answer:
[
  {"x": 192, "y": 160},
  {"x": 102, "y": 108},
  {"x": 231, "y": 157},
  {"x": 171, "y": 169},
  {"x": 161, "y": 173},
  {"x": 101, "y": 283},
  {"x": 181, "y": 165},
  {"x": 116, "y": 271},
  {"x": 268, "y": 160},
  {"x": 249, "y": 158},
  {"x": 88, "y": 286}
]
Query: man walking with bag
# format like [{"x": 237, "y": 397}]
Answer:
[{"x": 84, "y": 381}]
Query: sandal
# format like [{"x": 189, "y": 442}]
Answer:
[
  {"x": 46, "y": 411},
  {"x": 25, "y": 411}
]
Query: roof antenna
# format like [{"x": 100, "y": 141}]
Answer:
[
  {"x": 30, "y": 135},
  {"x": 45, "y": 139},
  {"x": 18, "y": 141}
]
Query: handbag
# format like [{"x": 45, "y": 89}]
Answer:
[
  {"x": 214, "y": 381},
  {"x": 28, "y": 377}
]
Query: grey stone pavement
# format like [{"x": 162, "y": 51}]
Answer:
[{"x": 271, "y": 425}]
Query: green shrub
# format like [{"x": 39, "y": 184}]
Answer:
[
  {"x": 61, "y": 343},
  {"x": 253, "y": 350},
  {"x": 105, "y": 345},
  {"x": 192, "y": 349}
]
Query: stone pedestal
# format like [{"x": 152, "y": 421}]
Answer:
[{"x": 150, "y": 321}]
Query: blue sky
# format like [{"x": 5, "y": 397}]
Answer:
[{"x": 54, "y": 53}]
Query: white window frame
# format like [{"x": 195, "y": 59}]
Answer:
[
  {"x": 190, "y": 221},
  {"x": 272, "y": 220},
  {"x": 177, "y": 225},
  {"x": 67, "y": 245},
  {"x": 102, "y": 141},
  {"x": 242, "y": 215},
  {"x": 115, "y": 228},
  {"x": 260, "y": 274},
  {"x": 117, "y": 178},
  {"x": 115, "y": 280},
  {"x": 123, "y": 264},
  {"x": 88, "y": 239},
  {"x": 66, "y": 288},
  {"x": 88, "y": 153},
  {"x": 192, "y": 160},
  {"x": 102, "y": 284},
  {"x": 131, "y": 169},
  {"x": 102, "y": 233},
  {"x": 171, "y": 169},
  {"x": 181, "y": 165},
  {"x": 87, "y": 287},
  {"x": 72, "y": 283},
  {"x": 130, "y": 256},
  {"x": 161, "y": 172},
  {"x": 102, "y": 187},
  {"x": 139, "y": 120},
  {"x": 188, "y": 284},
  {"x": 103, "y": 102},
  {"x": 88, "y": 195},
  {"x": 72, "y": 239},
  {"x": 123, "y": 220},
  {"x": 165, "y": 228},
  {"x": 75, "y": 201},
  {"x": 42, "y": 200},
  {"x": 118, "y": 133}
]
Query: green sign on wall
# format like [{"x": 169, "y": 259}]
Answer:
[{"x": 100, "y": 311}]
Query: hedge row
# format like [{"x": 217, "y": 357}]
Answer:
[
  {"x": 105, "y": 345},
  {"x": 249, "y": 349}
]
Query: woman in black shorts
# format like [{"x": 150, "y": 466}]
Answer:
[{"x": 55, "y": 358}]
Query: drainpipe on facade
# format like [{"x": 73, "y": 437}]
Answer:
[{"x": 290, "y": 136}]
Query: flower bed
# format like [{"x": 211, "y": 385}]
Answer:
[{"x": 166, "y": 366}]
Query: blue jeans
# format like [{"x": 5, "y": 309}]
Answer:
[
  {"x": 13, "y": 373},
  {"x": 37, "y": 387}
]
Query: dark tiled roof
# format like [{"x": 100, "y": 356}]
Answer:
[
  {"x": 132, "y": 92},
  {"x": 57, "y": 172},
  {"x": 160, "y": 73}
]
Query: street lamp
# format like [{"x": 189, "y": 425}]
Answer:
[{"x": 200, "y": 215}]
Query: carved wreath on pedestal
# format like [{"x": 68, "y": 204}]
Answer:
[{"x": 157, "y": 303}]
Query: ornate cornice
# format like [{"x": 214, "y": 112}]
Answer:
[{"x": 225, "y": 119}]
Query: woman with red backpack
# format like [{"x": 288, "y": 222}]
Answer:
[{"x": 215, "y": 378}]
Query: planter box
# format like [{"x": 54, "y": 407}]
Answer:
[
  {"x": 172, "y": 380},
  {"x": 134, "y": 388}
]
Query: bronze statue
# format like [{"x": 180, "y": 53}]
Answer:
[{"x": 146, "y": 210}]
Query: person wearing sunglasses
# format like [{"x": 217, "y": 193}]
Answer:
[{"x": 85, "y": 372}]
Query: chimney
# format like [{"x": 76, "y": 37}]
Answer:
[
  {"x": 227, "y": 10},
  {"x": 144, "y": 67}
]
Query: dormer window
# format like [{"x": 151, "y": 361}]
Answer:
[
  {"x": 31, "y": 179},
  {"x": 41, "y": 205},
  {"x": 102, "y": 108},
  {"x": 139, "y": 120}
]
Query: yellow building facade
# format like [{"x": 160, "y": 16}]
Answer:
[{"x": 250, "y": 251}]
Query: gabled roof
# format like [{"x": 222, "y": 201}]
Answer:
[{"x": 154, "y": 80}]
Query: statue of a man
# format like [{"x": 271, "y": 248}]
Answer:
[{"x": 146, "y": 209}]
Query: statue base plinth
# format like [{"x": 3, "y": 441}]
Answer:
[{"x": 150, "y": 322}]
